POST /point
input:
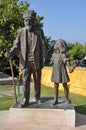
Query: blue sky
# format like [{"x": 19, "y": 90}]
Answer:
[{"x": 65, "y": 19}]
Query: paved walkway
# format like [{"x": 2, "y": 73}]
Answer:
[
  {"x": 6, "y": 93},
  {"x": 6, "y": 79},
  {"x": 6, "y": 125},
  {"x": 10, "y": 92}
]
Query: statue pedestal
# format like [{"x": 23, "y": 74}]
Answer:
[{"x": 62, "y": 114}]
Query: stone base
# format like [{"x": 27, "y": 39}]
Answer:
[{"x": 62, "y": 114}]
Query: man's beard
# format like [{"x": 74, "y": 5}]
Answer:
[{"x": 30, "y": 28}]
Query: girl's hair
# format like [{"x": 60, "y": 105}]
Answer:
[{"x": 61, "y": 45}]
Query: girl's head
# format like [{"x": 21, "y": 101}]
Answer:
[{"x": 61, "y": 45}]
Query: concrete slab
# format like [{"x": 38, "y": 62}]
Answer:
[
  {"x": 62, "y": 114},
  {"x": 6, "y": 79},
  {"x": 5, "y": 124}
]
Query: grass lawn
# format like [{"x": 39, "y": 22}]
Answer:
[{"x": 79, "y": 101}]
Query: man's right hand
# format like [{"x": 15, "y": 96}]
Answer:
[{"x": 7, "y": 55}]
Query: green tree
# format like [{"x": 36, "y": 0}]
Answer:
[
  {"x": 38, "y": 21},
  {"x": 49, "y": 48},
  {"x": 10, "y": 21},
  {"x": 75, "y": 51},
  {"x": 84, "y": 49}
]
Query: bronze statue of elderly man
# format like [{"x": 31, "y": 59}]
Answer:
[{"x": 31, "y": 45}]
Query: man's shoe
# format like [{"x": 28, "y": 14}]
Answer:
[
  {"x": 24, "y": 105},
  {"x": 55, "y": 102},
  {"x": 24, "y": 102}
]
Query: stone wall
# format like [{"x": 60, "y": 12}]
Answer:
[{"x": 77, "y": 82}]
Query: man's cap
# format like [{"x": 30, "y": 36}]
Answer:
[{"x": 29, "y": 14}]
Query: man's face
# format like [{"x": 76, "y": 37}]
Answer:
[{"x": 28, "y": 21}]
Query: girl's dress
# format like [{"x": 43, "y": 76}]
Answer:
[{"x": 59, "y": 73}]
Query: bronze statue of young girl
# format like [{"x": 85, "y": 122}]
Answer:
[{"x": 59, "y": 74}]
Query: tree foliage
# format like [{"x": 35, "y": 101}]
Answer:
[
  {"x": 10, "y": 20},
  {"x": 38, "y": 21},
  {"x": 76, "y": 51},
  {"x": 49, "y": 49}
]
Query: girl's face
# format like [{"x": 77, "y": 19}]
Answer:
[
  {"x": 56, "y": 48},
  {"x": 59, "y": 47}
]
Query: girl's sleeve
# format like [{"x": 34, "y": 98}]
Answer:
[{"x": 65, "y": 58}]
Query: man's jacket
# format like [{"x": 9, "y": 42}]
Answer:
[{"x": 20, "y": 44}]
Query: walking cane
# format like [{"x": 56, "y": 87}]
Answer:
[{"x": 13, "y": 81}]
